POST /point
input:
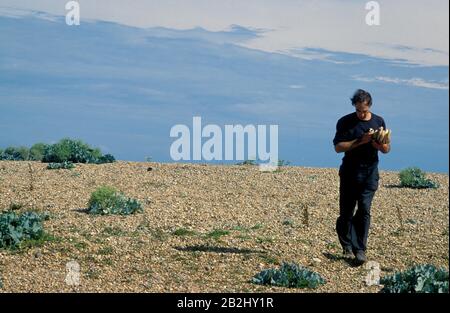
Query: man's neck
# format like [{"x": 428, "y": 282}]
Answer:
[{"x": 368, "y": 117}]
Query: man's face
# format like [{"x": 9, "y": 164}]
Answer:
[{"x": 362, "y": 110}]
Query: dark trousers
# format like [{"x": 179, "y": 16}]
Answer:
[{"x": 358, "y": 184}]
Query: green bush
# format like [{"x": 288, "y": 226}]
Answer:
[
  {"x": 74, "y": 151},
  {"x": 107, "y": 200},
  {"x": 413, "y": 177},
  {"x": 66, "y": 150},
  {"x": 283, "y": 163},
  {"x": 14, "y": 228},
  {"x": 37, "y": 151},
  {"x": 58, "y": 166},
  {"x": 289, "y": 275},
  {"x": 70, "y": 150},
  {"x": 107, "y": 158},
  {"x": 247, "y": 162},
  {"x": 419, "y": 279},
  {"x": 15, "y": 154}
]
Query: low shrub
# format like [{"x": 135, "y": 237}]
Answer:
[
  {"x": 107, "y": 158},
  {"x": 283, "y": 163},
  {"x": 413, "y": 177},
  {"x": 247, "y": 162},
  {"x": 107, "y": 200},
  {"x": 66, "y": 165},
  {"x": 15, "y": 154},
  {"x": 418, "y": 279},
  {"x": 17, "y": 228},
  {"x": 66, "y": 150},
  {"x": 71, "y": 150},
  {"x": 289, "y": 275},
  {"x": 37, "y": 151}
]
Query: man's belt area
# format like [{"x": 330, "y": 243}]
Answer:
[{"x": 352, "y": 163}]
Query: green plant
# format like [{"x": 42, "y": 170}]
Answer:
[
  {"x": 289, "y": 275},
  {"x": 107, "y": 158},
  {"x": 37, "y": 151},
  {"x": 418, "y": 279},
  {"x": 74, "y": 151},
  {"x": 107, "y": 200},
  {"x": 15, "y": 154},
  {"x": 283, "y": 163},
  {"x": 247, "y": 162},
  {"x": 66, "y": 165},
  {"x": 217, "y": 233},
  {"x": 257, "y": 226},
  {"x": 413, "y": 177},
  {"x": 15, "y": 229}
]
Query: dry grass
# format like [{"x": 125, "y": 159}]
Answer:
[{"x": 210, "y": 228}]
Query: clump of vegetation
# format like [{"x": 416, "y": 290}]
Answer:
[
  {"x": 289, "y": 275},
  {"x": 15, "y": 154},
  {"x": 283, "y": 163},
  {"x": 66, "y": 165},
  {"x": 418, "y": 279},
  {"x": 37, "y": 151},
  {"x": 413, "y": 177},
  {"x": 107, "y": 200},
  {"x": 247, "y": 162},
  {"x": 16, "y": 229},
  {"x": 66, "y": 150},
  {"x": 76, "y": 151},
  {"x": 217, "y": 233}
]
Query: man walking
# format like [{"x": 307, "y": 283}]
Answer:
[{"x": 358, "y": 173}]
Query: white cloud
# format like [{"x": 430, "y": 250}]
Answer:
[
  {"x": 327, "y": 24},
  {"x": 415, "y": 81},
  {"x": 296, "y": 86}
]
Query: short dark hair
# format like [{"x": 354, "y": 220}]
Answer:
[{"x": 361, "y": 96}]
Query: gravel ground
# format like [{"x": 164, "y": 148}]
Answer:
[{"x": 210, "y": 228}]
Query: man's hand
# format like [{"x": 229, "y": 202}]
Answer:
[
  {"x": 350, "y": 145},
  {"x": 366, "y": 138},
  {"x": 383, "y": 147}
]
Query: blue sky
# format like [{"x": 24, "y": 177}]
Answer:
[{"x": 122, "y": 87}]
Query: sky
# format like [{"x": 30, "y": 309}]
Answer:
[
  {"x": 132, "y": 70},
  {"x": 414, "y": 30}
]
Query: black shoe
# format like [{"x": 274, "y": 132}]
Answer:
[
  {"x": 360, "y": 257},
  {"x": 348, "y": 253}
]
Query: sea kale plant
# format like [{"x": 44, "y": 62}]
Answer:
[
  {"x": 418, "y": 279},
  {"x": 66, "y": 165},
  {"x": 76, "y": 151},
  {"x": 413, "y": 177},
  {"x": 15, "y": 154},
  {"x": 107, "y": 200},
  {"x": 289, "y": 275},
  {"x": 66, "y": 150},
  {"x": 17, "y": 228}
]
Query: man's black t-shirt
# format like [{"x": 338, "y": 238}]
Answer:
[{"x": 350, "y": 127}]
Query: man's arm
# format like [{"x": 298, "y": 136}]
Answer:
[{"x": 345, "y": 146}]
